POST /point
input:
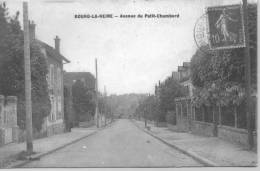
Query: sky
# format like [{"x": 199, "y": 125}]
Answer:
[{"x": 133, "y": 54}]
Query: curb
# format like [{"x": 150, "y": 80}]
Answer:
[
  {"x": 196, "y": 157},
  {"x": 22, "y": 163}
]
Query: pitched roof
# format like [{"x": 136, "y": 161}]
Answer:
[
  {"x": 186, "y": 64},
  {"x": 180, "y": 68},
  {"x": 70, "y": 76},
  {"x": 52, "y": 52}
]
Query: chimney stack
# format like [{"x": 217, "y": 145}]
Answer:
[
  {"x": 32, "y": 30},
  {"x": 57, "y": 44}
]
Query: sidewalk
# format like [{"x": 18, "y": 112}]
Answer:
[
  {"x": 43, "y": 146},
  {"x": 213, "y": 150}
]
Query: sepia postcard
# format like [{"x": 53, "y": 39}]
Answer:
[{"x": 128, "y": 83}]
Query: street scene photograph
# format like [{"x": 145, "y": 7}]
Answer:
[{"x": 128, "y": 84}]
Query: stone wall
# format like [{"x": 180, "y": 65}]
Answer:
[
  {"x": 234, "y": 134},
  {"x": 173, "y": 127},
  {"x": 8, "y": 120},
  {"x": 182, "y": 123},
  {"x": 202, "y": 128},
  {"x": 55, "y": 129},
  {"x": 229, "y": 133},
  {"x": 87, "y": 124}
]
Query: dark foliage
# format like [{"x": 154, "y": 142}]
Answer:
[
  {"x": 219, "y": 76},
  {"x": 12, "y": 70},
  {"x": 83, "y": 101}
]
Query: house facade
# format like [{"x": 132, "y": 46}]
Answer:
[
  {"x": 54, "y": 123},
  {"x": 185, "y": 78}
]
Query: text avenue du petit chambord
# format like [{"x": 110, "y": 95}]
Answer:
[{"x": 81, "y": 16}]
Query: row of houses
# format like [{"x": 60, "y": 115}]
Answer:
[{"x": 227, "y": 122}]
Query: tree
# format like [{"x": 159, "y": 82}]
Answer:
[
  {"x": 170, "y": 89},
  {"x": 219, "y": 76},
  {"x": 12, "y": 70},
  {"x": 156, "y": 108},
  {"x": 83, "y": 101}
]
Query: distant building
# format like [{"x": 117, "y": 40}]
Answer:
[
  {"x": 176, "y": 75},
  {"x": 54, "y": 123},
  {"x": 86, "y": 77},
  {"x": 185, "y": 77}
]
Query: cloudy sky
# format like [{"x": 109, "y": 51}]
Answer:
[{"x": 133, "y": 54}]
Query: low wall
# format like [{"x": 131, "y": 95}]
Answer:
[
  {"x": 173, "y": 127},
  {"x": 182, "y": 124},
  {"x": 55, "y": 129},
  {"x": 36, "y": 135},
  {"x": 202, "y": 128},
  {"x": 8, "y": 120},
  {"x": 161, "y": 124},
  {"x": 87, "y": 124},
  {"x": 235, "y": 135}
]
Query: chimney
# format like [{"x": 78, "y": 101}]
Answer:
[
  {"x": 57, "y": 44},
  {"x": 32, "y": 30}
]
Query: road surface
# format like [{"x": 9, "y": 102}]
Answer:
[{"x": 120, "y": 145}]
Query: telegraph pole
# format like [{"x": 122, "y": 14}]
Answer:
[
  {"x": 105, "y": 105},
  {"x": 248, "y": 78},
  {"x": 27, "y": 70},
  {"x": 96, "y": 110}
]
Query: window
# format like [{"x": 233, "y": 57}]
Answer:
[
  {"x": 59, "y": 87},
  {"x": 59, "y": 114},
  {"x": 52, "y": 112},
  {"x": 54, "y": 108},
  {"x": 5, "y": 117},
  {"x": 51, "y": 79}
]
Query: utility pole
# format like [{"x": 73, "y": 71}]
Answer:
[
  {"x": 248, "y": 78},
  {"x": 96, "y": 110},
  {"x": 105, "y": 105},
  {"x": 145, "y": 113},
  {"x": 27, "y": 71}
]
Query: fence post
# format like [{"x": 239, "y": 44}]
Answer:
[
  {"x": 181, "y": 110},
  {"x": 219, "y": 112},
  {"x": 193, "y": 113},
  {"x": 189, "y": 108},
  {"x": 2, "y": 100},
  {"x": 235, "y": 112},
  {"x": 2, "y": 130},
  {"x": 203, "y": 113}
]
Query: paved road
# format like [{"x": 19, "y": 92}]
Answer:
[{"x": 120, "y": 145}]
